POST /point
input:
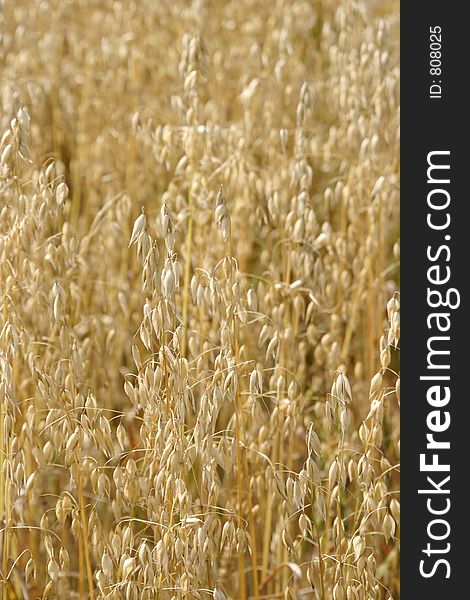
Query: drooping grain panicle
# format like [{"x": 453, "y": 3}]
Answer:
[{"x": 200, "y": 315}]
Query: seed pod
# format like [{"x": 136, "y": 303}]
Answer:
[
  {"x": 305, "y": 525},
  {"x": 6, "y": 154},
  {"x": 121, "y": 435},
  {"x": 61, "y": 193},
  {"x": 128, "y": 567},
  {"x": 333, "y": 474},
  {"x": 375, "y": 384},
  {"x": 345, "y": 420},
  {"x": 53, "y": 570},
  {"x": 359, "y": 546},
  {"x": 64, "y": 559},
  {"x": 395, "y": 509},
  {"x": 389, "y": 527},
  {"x": 107, "y": 565},
  {"x": 30, "y": 570},
  {"x": 139, "y": 226}
]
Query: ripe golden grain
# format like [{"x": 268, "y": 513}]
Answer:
[{"x": 199, "y": 338}]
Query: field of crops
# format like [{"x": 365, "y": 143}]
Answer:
[{"x": 199, "y": 275}]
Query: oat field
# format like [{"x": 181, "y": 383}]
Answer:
[{"x": 199, "y": 274}]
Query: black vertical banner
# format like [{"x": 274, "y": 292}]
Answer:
[{"x": 435, "y": 324}]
